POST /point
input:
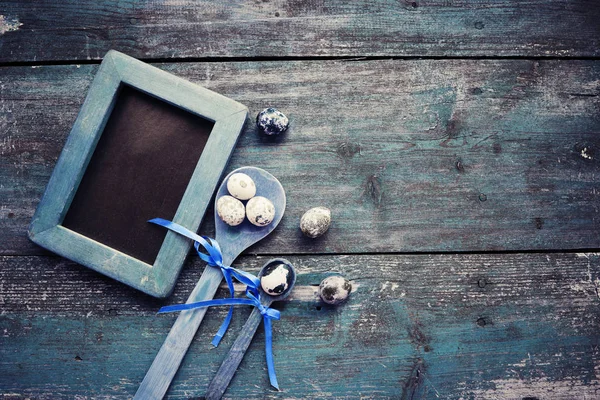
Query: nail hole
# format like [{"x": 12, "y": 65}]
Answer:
[
  {"x": 77, "y": 358},
  {"x": 459, "y": 166},
  {"x": 482, "y": 197},
  {"x": 481, "y": 321},
  {"x": 481, "y": 282},
  {"x": 318, "y": 308},
  {"x": 414, "y": 4}
]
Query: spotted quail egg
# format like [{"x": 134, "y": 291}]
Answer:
[
  {"x": 241, "y": 186},
  {"x": 230, "y": 210},
  {"x": 315, "y": 222},
  {"x": 334, "y": 289},
  {"x": 271, "y": 121},
  {"x": 260, "y": 211},
  {"x": 276, "y": 278}
]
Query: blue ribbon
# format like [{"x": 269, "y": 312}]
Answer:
[
  {"x": 252, "y": 300},
  {"x": 214, "y": 258}
]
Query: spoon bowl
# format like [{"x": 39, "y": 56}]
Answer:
[
  {"x": 235, "y": 239},
  {"x": 290, "y": 281}
]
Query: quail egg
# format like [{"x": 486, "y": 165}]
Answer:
[
  {"x": 230, "y": 210},
  {"x": 276, "y": 278},
  {"x": 334, "y": 289},
  {"x": 315, "y": 222},
  {"x": 260, "y": 211},
  {"x": 271, "y": 121},
  {"x": 241, "y": 186}
]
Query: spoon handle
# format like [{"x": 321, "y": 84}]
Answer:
[
  {"x": 169, "y": 357},
  {"x": 219, "y": 384}
]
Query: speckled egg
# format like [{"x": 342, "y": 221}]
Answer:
[
  {"x": 315, "y": 222},
  {"x": 276, "y": 278},
  {"x": 231, "y": 210},
  {"x": 241, "y": 186},
  {"x": 260, "y": 211},
  {"x": 335, "y": 289},
  {"x": 271, "y": 121}
]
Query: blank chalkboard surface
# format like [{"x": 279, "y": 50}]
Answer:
[{"x": 139, "y": 171}]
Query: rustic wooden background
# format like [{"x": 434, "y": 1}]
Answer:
[{"x": 456, "y": 142}]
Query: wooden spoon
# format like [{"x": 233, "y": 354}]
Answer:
[
  {"x": 233, "y": 241},
  {"x": 219, "y": 384}
]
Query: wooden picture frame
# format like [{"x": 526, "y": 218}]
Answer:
[{"x": 119, "y": 74}]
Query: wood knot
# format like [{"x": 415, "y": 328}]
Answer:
[
  {"x": 348, "y": 150},
  {"x": 374, "y": 189},
  {"x": 452, "y": 129}
]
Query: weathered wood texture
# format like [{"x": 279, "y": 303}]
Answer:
[
  {"x": 74, "y": 30},
  {"x": 416, "y": 326},
  {"x": 410, "y": 155}
]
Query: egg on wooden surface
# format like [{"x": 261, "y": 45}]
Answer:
[
  {"x": 276, "y": 278},
  {"x": 241, "y": 186},
  {"x": 335, "y": 289},
  {"x": 260, "y": 211},
  {"x": 231, "y": 210},
  {"x": 315, "y": 222},
  {"x": 271, "y": 121}
]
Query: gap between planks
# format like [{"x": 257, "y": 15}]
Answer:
[{"x": 295, "y": 58}]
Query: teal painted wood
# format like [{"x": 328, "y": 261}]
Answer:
[
  {"x": 233, "y": 241},
  {"x": 224, "y": 29},
  {"x": 118, "y": 69},
  {"x": 455, "y": 326},
  {"x": 399, "y": 150}
]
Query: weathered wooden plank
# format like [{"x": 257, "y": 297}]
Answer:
[
  {"x": 410, "y": 155},
  {"x": 75, "y": 30},
  {"x": 416, "y": 326}
]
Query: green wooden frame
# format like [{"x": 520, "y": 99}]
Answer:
[{"x": 116, "y": 70}]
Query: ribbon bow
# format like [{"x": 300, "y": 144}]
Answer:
[{"x": 214, "y": 258}]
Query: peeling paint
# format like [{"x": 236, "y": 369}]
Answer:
[
  {"x": 585, "y": 154},
  {"x": 8, "y": 25},
  {"x": 517, "y": 388},
  {"x": 586, "y": 255}
]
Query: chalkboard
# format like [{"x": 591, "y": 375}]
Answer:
[
  {"x": 139, "y": 170},
  {"x": 146, "y": 144}
]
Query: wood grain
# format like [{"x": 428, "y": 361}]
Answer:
[
  {"x": 450, "y": 326},
  {"x": 410, "y": 155},
  {"x": 74, "y": 30}
]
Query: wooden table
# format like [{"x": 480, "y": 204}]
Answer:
[{"x": 456, "y": 143}]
